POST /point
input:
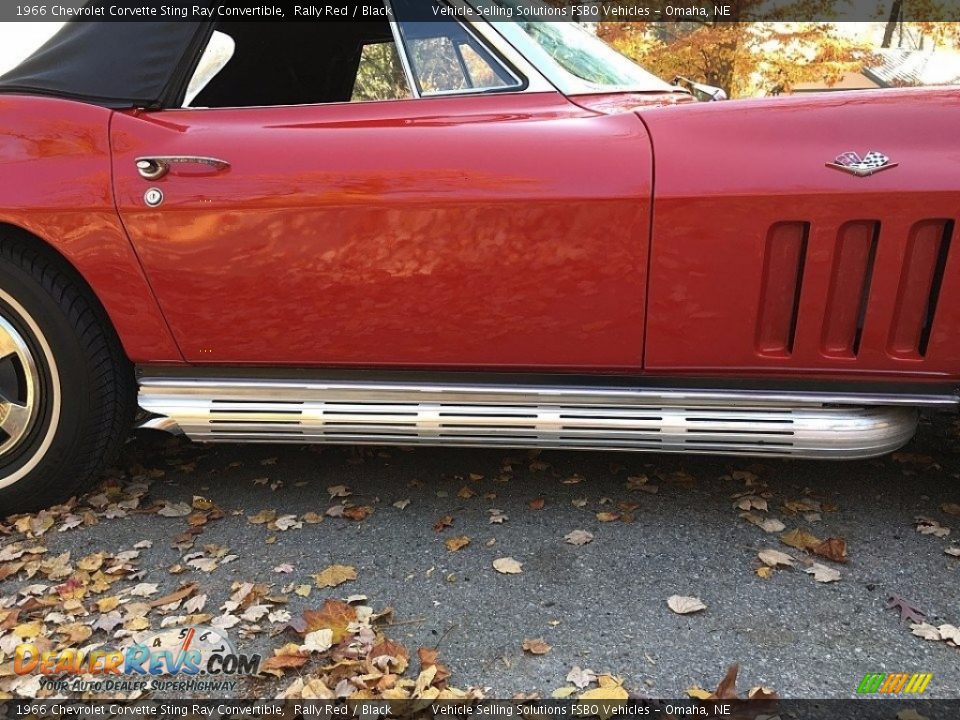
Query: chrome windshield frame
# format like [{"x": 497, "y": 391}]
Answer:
[{"x": 554, "y": 73}]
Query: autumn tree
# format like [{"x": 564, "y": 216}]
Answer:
[
  {"x": 921, "y": 23},
  {"x": 745, "y": 56}
]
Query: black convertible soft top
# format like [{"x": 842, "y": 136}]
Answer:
[{"x": 114, "y": 64}]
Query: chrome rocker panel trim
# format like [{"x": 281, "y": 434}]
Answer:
[{"x": 806, "y": 425}]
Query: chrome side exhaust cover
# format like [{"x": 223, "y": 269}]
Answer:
[{"x": 722, "y": 422}]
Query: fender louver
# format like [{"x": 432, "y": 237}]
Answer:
[
  {"x": 784, "y": 256},
  {"x": 921, "y": 277},
  {"x": 850, "y": 276}
]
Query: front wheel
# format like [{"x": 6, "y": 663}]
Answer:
[{"x": 66, "y": 390}]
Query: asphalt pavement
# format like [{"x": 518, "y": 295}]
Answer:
[{"x": 661, "y": 525}]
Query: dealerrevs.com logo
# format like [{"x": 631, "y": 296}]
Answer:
[{"x": 188, "y": 658}]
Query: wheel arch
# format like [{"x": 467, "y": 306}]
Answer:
[{"x": 139, "y": 342}]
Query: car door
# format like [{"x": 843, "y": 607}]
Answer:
[{"x": 468, "y": 228}]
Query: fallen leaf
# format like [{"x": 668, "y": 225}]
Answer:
[
  {"x": 507, "y": 566},
  {"x": 581, "y": 678},
  {"x": 951, "y": 508},
  {"x": 950, "y": 634},
  {"x": 173, "y": 597},
  {"x": 752, "y": 502},
  {"x": 444, "y": 522},
  {"x": 929, "y": 526},
  {"x": 822, "y": 573},
  {"x": 263, "y": 517},
  {"x": 318, "y": 641},
  {"x": 926, "y": 631},
  {"x": 180, "y": 509},
  {"x": 578, "y": 537},
  {"x": 288, "y": 657},
  {"x": 833, "y": 549},
  {"x": 335, "y": 575},
  {"x": 616, "y": 692},
  {"x": 335, "y": 615},
  {"x": 773, "y": 558},
  {"x": 800, "y": 539},
  {"x": 683, "y": 605},
  {"x": 608, "y": 516},
  {"x": 537, "y": 504},
  {"x": 908, "y": 611},
  {"x": 457, "y": 543},
  {"x": 357, "y": 512},
  {"x": 536, "y": 646}
]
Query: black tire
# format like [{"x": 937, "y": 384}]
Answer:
[{"x": 79, "y": 384}]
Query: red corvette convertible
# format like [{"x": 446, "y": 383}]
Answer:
[{"x": 457, "y": 232}]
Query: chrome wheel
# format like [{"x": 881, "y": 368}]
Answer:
[{"x": 19, "y": 388}]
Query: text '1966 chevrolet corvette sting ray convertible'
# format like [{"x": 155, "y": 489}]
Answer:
[{"x": 457, "y": 231}]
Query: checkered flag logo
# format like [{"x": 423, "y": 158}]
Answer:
[{"x": 870, "y": 163}]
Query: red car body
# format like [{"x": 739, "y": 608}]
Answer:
[{"x": 525, "y": 232}]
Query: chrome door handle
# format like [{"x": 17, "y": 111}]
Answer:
[{"x": 154, "y": 168}]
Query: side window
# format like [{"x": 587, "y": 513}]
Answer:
[
  {"x": 444, "y": 56},
  {"x": 380, "y": 74},
  {"x": 248, "y": 64},
  {"x": 257, "y": 64}
]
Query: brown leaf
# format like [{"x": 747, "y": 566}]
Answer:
[
  {"x": 536, "y": 646},
  {"x": 389, "y": 653},
  {"x": 76, "y": 633},
  {"x": 457, "y": 543},
  {"x": 951, "y": 508},
  {"x": 833, "y": 549},
  {"x": 173, "y": 597},
  {"x": 288, "y": 657},
  {"x": 428, "y": 659},
  {"x": 357, "y": 512},
  {"x": 537, "y": 504},
  {"x": 608, "y": 516},
  {"x": 727, "y": 689},
  {"x": 334, "y": 615},
  {"x": 444, "y": 522}
]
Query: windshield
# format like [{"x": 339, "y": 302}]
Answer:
[{"x": 579, "y": 53}]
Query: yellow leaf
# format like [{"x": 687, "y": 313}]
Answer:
[
  {"x": 91, "y": 563},
  {"x": 457, "y": 543},
  {"x": 615, "y": 692},
  {"x": 335, "y": 575},
  {"x": 699, "y": 693},
  {"x": 800, "y": 539},
  {"x": 608, "y": 516},
  {"x": 107, "y": 604},
  {"x": 29, "y": 630}
]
